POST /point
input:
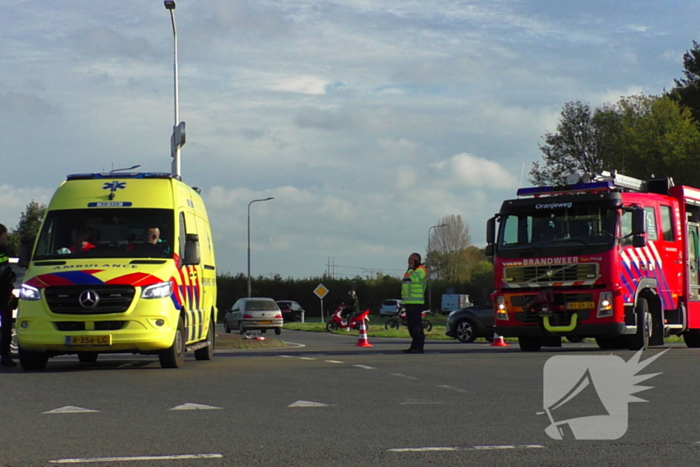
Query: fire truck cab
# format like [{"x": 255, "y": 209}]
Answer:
[{"x": 608, "y": 257}]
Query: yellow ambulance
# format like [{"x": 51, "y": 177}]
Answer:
[{"x": 123, "y": 263}]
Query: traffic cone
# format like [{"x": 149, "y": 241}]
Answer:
[
  {"x": 362, "y": 337},
  {"x": 498, "y": 341}
]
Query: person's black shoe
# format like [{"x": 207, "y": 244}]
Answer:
[
  {"x": 407, "y": 350},
  {"x": 413, "y": 351},
  {"x": 8, "y": 362}
]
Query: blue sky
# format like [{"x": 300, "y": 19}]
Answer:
[{"x": 367, "y": 121}]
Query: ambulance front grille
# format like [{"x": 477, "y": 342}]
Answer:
[{"x": 89, "y": 299}]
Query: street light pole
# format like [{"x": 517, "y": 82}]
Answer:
[
  {"x": 177, "y": 139},
  {"x": 427, "y": 261},
  {"x": 254, "y": 201}
]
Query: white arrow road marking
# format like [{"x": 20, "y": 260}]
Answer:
[
  {"x": 365, "y": 367},
  {"x": 71, "y": 409},
  {"x": 135, "y": 458},
  {"x": 308, "y": 404},
  {"x": 190, "y": 406},
  {"x": 471, "y": 448}
]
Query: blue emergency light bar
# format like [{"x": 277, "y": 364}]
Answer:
[{"x": 545, "y": 190}]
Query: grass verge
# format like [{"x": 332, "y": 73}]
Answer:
[{"x": 237, "y": 342}]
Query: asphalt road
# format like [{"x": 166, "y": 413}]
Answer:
[{"x": 325, "y": 401}]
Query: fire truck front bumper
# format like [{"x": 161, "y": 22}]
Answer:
[{"x": 582, "y": 330}]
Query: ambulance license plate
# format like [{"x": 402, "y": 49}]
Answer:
[
  {"x": 580, "y": 305},
  {"x": 89, "y": 340}
]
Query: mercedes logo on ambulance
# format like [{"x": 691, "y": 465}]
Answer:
[{"x": 89, "y": 299}]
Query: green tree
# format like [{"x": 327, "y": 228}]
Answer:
[
  {"x": 28, "y": 227},
  {"x": 639, "y": 136},
  {"x": 687, "y": 89}
]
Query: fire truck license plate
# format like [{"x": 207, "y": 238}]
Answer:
[
  {"x": 89, "y": 340},
  {"x": 580, "y": 305}
]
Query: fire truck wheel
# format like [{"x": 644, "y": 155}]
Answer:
[
  {"x": 611, "y": 343},
  {"x": 530, "y": 344},
  {"x": 640, "y": 340},
  {"x": 574, "y": 339},
  {"x": 692, "y": 339}
]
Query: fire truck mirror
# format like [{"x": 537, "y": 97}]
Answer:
[
  {"x": 488, "y": 250},
  {"x": 639, "y": 222},
  {"x": 490, "y": 230},
  {"x": 638, "y": 241}
]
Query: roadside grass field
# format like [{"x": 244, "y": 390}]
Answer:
[{"x": 376, "y": 328}]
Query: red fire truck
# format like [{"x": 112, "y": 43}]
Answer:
[{"x": 608, "y": 257}]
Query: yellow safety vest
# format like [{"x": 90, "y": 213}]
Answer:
[{"x": 413, "y": 286}]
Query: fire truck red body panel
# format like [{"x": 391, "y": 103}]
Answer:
[{"x": 568, "y": 263}]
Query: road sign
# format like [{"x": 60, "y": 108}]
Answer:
[{"x": 321, "y": 291}]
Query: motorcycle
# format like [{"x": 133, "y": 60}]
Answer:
[
  {"x": 400, "y": 320},
  {"x": 337, "y": 322}
]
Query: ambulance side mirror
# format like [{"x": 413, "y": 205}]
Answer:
[
  {"x": 25, "y": 252},
  {"x": 192, "y": 256}
]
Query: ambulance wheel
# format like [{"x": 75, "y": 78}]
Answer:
[
  {"x": 640, "y": 340},
  {"x": 87, "y": 357},
  {"x": 530, "y": 344},
  {"x": 174, "y": 356},
  {"x": 206, "y": 353},
  {"x": 33, "y": 360}
]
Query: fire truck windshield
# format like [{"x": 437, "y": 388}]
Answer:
[{"x": 592, "y": 227}]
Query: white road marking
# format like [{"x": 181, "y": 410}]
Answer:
[
  {"x": 308, "y": 404},
  {"x": 334, "y": 361},
  {"x": 71, "y": 409},
  {"x": 365, "y": 367},
  {"x": 401, "y": 375},
  {"x": 452, "y": 388},
  {"x": 306, "y": 358},
  {"x": 285, "y": 356},
  {"x": 469, "y": 448},
  {"x": 135, "y": 458},
  {"x": 418, "y": 401},
  {"x": 191, "y": 406}
]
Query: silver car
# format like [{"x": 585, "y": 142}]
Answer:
[{"x": 255, "y": 313}]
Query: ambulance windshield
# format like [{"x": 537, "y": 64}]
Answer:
[
  {"x": 106, "y": 233},
  {"x": 565, "y": 226}
]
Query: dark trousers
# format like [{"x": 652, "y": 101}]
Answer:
[
  {"x": 5, "y": 331},
  {"x": 415, "y": 326}
]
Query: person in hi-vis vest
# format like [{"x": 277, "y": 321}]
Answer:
[{"x": 413, "y": 298}]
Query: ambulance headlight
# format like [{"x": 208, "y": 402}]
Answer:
[
  {"x": 27, "y": 292},
  {"x": 159, "y": 290}
]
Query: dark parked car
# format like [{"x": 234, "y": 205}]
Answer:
[
  {"x": 291, "y": 310},
  {"x": 466, "y": 324}
]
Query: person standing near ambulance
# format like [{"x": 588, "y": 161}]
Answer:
[
  {"x": 413, "y": 297},
  {"x": 7, "y": 278}
]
